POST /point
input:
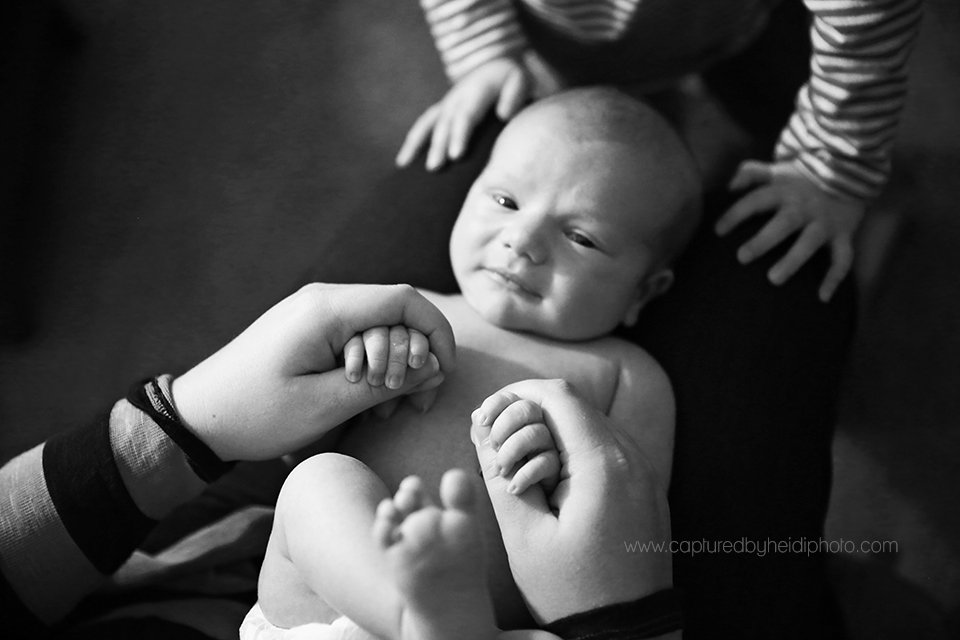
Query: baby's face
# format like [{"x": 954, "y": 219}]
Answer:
[{"x": 553, "y": 238}]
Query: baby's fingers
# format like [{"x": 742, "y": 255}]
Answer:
[
  {"x": 806, "y": 245},
  {"x": 543, "y": 468},
  {"x": 842, "y": 253},
  {"x": 418, "y": 136},
  {"x": 512, "y": 419},
  {"x": 419, "y": 348},
  {"x": 353, "y": 358},
  {"x": 526, "y": 442},
  {"x": 397, "y": 358},
  {"x": 376, "y": 343}
]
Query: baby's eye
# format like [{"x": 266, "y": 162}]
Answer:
[
  {"x": 505, "y": 202},
  {"x": 580, "y": 239}
]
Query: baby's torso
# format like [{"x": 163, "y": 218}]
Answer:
[{"x": 427, "y": 444}]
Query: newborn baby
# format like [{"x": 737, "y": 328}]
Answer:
[{"x": 570, "y": 230}]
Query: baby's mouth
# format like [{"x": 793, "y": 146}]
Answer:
[{"x": 510, "y": 281}]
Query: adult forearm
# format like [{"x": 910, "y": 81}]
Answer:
[{"x": 80, "y": 503}]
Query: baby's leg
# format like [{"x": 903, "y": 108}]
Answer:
[
  {"x": 321, "y": 549},
  {"x": 436, "y": 558}
]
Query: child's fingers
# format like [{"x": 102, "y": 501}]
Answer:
[
  {"x": 805, "y": 246},
  {"x": 842, "y": 253},
  {"x": 512, "y": 419},
  {"x": 397, "y": 358},
  {"x": 439, "y": 142},
  {"x": 376, "y": 343},
  {"x": 773, "y": 233},
  {"x": 513, "y": 95},
  {"x": 750, "y": 173},
  {"x": 418, "y": 136},
  {"x": 353, "y": 358},
  {"x": 526, "y": 442},
  {"x": 757, "y": 201},
  {"x": 543, "y": 468},
  {"x": 419, "y": 348}
]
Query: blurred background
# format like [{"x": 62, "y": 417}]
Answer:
[{"x": 165, "y": 168}]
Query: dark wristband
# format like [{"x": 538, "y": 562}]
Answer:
[
  {"x": 149, "y": 398},
  {"x": 648, "y": 617}
]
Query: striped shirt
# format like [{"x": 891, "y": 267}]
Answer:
[
  {"x": 75, "y": 507},
  {"x": 842, "y": 131}
]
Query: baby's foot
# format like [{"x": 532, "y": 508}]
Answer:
[{"x": 437, "y": 559}]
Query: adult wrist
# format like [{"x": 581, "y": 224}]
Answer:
[
  {"x": 155, "y": 398},
  {"x": 652, "y": 616}
]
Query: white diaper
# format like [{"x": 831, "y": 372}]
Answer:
[{"x": 256, "y": 627}]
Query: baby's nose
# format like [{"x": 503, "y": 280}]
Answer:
[{"x": 526, "y": 240}]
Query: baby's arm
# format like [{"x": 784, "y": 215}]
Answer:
[
  {"x": 486, "y": 57},
  {"x": 643, "y": 407},
  {"x": 524, "y": 445},
  {"x": 834, "y": 155}
]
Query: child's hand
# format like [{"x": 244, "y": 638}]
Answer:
[
  {"x": 387, "y": 351},
  {"x": 504, "y": 83},
  {"x": 799, "y": 204},
  {"x": 523, "y": 443}
]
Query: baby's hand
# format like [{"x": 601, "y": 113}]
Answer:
[
  {"x": 387, "y": 351},
  {"x": 504, "y": 83},
  {"x": 800, "y": 205},
  {"x": 523, "y": 443}
]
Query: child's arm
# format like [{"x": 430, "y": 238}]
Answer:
[
  {"x": 487, "y": 59},
  {"x": 834, "y": 155}
]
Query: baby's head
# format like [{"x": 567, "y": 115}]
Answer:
[{"x": 571, "y": 228}]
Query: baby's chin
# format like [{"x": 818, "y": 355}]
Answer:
[{"x": 511, "y": 318}]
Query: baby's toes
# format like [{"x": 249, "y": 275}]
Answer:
[
  {"x": 386, "y": 523},
  {"x": 410, "y": 496}
]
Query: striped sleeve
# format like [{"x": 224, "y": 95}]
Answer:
[
  {"x": 468, "y": 33},
  {"x": 842, "y": 132},
  {"x": 74, "y": 508}
]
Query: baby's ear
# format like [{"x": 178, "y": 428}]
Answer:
[{"x": 653, "y": 286}]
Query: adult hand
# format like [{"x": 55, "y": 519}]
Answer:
[
  {"x": 280, "y": 384},
  {"x": 570, "y": 551},
  {"x": 799, "y": 205},
  {"x": 505, "y": 84}
]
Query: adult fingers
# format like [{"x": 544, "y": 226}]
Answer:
[
  {"x": 779, "y": 227},
  {"x": 322, "y": 401},
  {"x": 757, "y": 201},
  {"x": 417, "y": 136},
  {"x": 750, "y": 173},
  {"x": 397, "y": 358},
  {"x": 805, "y": 246},
  {"x": 842, "y": 254}
]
